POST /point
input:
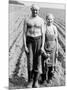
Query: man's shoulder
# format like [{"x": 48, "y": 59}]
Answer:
[
  {"x": 26, "y": 19},
  {"x": 41, "y": 19}
]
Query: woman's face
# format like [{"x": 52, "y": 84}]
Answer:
[{"x": 49, "y": 20}]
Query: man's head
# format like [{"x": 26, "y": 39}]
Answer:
[
  {"x": 34, "y": 10},
  {"x": 49, "y": 18}
]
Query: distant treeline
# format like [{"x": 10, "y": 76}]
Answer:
[{"x": 15, "y": 2}]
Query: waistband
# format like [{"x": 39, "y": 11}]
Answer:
[{"x": 34, "y": 38}]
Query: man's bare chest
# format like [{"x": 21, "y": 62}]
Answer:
[
  {"x": 33, "y": 24},
  {"x": 34, "y": 27}
]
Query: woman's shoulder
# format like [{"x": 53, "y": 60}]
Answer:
[{"x": 54, "y": 26}]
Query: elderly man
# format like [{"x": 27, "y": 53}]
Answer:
[{"x": 34, "y": 39}]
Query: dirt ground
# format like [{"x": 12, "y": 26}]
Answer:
[{"x": 17, "y": 56}]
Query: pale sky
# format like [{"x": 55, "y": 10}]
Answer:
[{"x": 44, "y": 4}]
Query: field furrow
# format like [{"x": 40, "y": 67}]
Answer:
[
  {"x": 61, "y": 22},
  {"x": 61, "y": 41},
  {"x": 15, "y": 36},
  {"x": 60, "y": 30},
  {"x": 60, "y": 25},
  {"x": 60, "y": 50},
  {"x": 15, "y": 53}
]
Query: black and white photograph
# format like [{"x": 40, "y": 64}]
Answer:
[{"x": 37, "y": 44}]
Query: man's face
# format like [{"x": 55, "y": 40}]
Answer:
[{"x": 34, "y": 12}]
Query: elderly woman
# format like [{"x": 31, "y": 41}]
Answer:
[{"x": 51, "y": 41}]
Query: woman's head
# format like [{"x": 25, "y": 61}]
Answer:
[{"x": 49, "y": 18}]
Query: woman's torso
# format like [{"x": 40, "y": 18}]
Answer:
[{"x": 50, "y": 42}]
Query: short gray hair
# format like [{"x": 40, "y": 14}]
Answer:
[
  {"x": 49, "y": 14},
  {"x": 34, "y": 6}
]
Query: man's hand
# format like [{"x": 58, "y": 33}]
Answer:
[
  {"x": 26, "y": 49},
  {"x": 48, "y": 55},
  {"x": 44, "y": 54},
  {"x": 42, "y": 49}
]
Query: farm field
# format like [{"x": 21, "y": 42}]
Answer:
[{"x": 17, "y": 56}]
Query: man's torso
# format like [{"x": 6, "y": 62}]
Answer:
[{"x": 34, "y": 26}]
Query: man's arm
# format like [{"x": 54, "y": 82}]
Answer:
[
  {"x": 43, "y": 36},
  {"x": 24, "y": 36},
  {"x": 43, "y": 41}
]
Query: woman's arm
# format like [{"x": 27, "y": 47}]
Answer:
[{"x": 56, "y": 35}]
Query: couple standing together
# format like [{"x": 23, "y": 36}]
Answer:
[{"x": 39, "y": 37}]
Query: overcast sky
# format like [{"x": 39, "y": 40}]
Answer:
[{"x": 43, "y": 4}]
